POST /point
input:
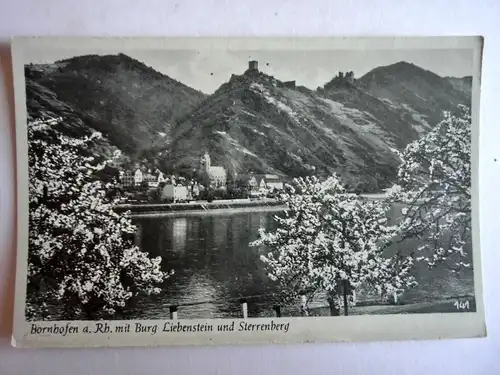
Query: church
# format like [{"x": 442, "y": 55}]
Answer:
[{"x": 216, "y": 176}]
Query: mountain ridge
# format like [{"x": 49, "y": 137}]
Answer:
[
  {"x": 129, "y": 102},
  {"x": 254, "y": 122}
]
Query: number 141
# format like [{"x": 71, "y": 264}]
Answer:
[{"x": 461, "y": 305}]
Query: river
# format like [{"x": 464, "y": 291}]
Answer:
[
  {"x": 215, "y": 266},
  {"x": 213, "y": 262}
]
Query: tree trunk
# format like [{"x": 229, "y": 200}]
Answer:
[
  {"x": 334, "y": 310},
  {"x": 345, "y": 291}
]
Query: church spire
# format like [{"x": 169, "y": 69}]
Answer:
[{"x": 205, "y": 162}]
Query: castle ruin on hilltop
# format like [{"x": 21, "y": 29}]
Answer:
[
  {"x": 253, "y": 65},
  {"x": 342, "y": 79},
  {"x": 253, "y": 71}
]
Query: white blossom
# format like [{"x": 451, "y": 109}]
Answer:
[
  {"x": 80, "y": 251},
  {"x": 435, "y": 189},
  {"x": 328, "y": 235}
]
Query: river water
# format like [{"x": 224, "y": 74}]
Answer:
[
  {"x": 215, "y": 266},
  {"x": 213, "y": 262}
]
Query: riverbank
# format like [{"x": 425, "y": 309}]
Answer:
[{"x": 200, "y": 207}]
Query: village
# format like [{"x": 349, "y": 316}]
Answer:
[{"x": 212, "y": 183}]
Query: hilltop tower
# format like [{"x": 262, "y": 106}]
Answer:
[
  {"x": 253, "y": 65},
  {"x": 349, "y": 77}
]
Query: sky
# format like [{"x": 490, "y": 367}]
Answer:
[{"x": 207, "y": 69}]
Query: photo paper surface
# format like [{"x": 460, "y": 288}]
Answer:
[{"x": 213, "y": 191}]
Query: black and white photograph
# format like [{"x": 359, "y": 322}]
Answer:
[{"x": 239, "y": 183}]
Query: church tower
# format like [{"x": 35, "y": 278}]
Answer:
[{"x": 205, "y": 162}]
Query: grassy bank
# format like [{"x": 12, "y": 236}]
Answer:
[
  {"x": 446, "y": 305},
  {"x": 438, "y": 306}
]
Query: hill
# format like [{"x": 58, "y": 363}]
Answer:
[
  {"x": 131, "y": 104},
  {"x": 405, "y": 85},
  {"x": 463, "y": 84},
  {"x": 255, "y": 122},
  {"x": 252, "y": 123}
]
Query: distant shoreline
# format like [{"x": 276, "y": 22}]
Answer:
[
  {"x": 200, "y": 208},
  {"x": 196, "y": 208},
  {"x": 219, "y": 211}
]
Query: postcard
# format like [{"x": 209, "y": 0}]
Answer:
[{"x": 214, "y": 191}]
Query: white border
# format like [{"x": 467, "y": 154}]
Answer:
[{"x": 321, "y": 329}]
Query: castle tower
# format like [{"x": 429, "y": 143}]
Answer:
[
  {"x": 253, "y": 65},
  {"x": 350, "y": 77}
]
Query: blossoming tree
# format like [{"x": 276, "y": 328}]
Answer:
[
  {"x": 434, "y": 186},
  {"x": 81, "y": 252},
  {"x": 328, "y": 238}
]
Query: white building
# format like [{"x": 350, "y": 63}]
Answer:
[
  {"x": 138, "y": 177},
  {"x": 265, "y": 182},
  {"x": 195, "y": 190},
  {"x": 262, "y": 185},
  {"x": 252, "y": 183},
  {"x": 161, "y": 177},
  {"x": 273, "y": 182},
  {"x": 154, "y": 180},
  {"x": 176, "y": 193}
]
